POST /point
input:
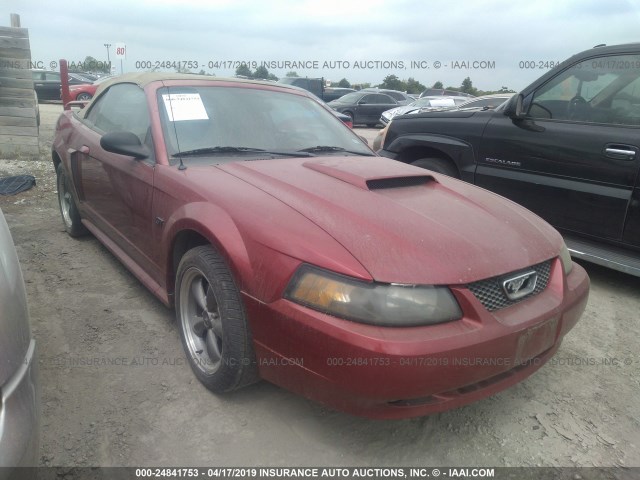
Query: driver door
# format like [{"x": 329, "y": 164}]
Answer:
[
  {"x": 574, "y": 159},
  {"x": 116, "y": 191}
]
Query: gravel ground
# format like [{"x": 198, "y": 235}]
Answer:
[{"x": 117, "y": 390}]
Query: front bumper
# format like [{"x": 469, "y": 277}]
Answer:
[
  {"x": 402, "y": 372},
  {"x": 20, "y": 415}
]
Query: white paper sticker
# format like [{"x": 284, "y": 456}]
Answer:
[
  {"x": 184, "y": 106},
  {"x": 442, "y": 102}
]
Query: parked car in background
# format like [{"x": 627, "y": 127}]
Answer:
[
  {"x": 343, "y": 118},
  {"x": 567, "y": 147},
  {"x": 317, "y": 87},
  {"x": 86, "y": 91},
  {"x": 19, "y": 383},
  {"x": 400, "y": 97},
  {"x": 81, "y": 77},
  {"x": 289, "y": 249},
  {"x": 422, "y": 103},
  {"x": 363, "y": 107},
  {"x": 333, "y": 93},
  {"x": 433, "y": 92},
  {"x": 485, "y": 102},
  {"x": 48, "y": 84},
  {"x": 439, "y": 104},
  {"x": 90, "y": 76}
]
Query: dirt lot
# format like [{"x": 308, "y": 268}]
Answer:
[{"x": 581, "y": 409}]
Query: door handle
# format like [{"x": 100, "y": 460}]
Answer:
[{"x": 620, "y": 152}]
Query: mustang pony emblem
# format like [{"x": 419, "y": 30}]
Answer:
[{"x": 520, "y": 286}]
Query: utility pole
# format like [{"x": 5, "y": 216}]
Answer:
[{"x": 107, "y": 45}]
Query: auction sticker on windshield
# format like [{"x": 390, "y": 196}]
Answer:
[{"x": 184, "y": 106}]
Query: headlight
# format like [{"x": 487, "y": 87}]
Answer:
[
  {"x": 565, "y": 259},
  {"x": 388, "y": 305}
]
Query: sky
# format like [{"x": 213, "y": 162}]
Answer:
[{"x": 494, "y": 42}]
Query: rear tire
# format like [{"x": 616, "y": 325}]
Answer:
[
  {"x": 83, "y": 97},
  {"x": 213, "y": 325},
  {"x": 439, "y": 165},
  {"x": 68, "y": 208}
]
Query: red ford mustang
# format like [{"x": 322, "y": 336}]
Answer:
[
  {"x": 86, "y": 91},
  {"x": 292, "y": 253}
]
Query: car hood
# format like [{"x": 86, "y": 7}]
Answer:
[
  {"x": 405, "y": 224},
  {"x": 452, "y": 112}
]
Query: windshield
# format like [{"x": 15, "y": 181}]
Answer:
[
  {"x": 423, "y": 102},
  {"x": 241, "y": 122}
]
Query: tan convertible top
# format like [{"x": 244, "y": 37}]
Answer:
[{"x": 144, "y": 78}]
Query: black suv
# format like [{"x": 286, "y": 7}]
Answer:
[{"x": 567, "y": 148}]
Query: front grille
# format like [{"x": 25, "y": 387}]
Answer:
[{"x": 493, "y": 297}]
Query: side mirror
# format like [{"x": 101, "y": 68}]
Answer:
[
  {"x": 514, "y": 107},
  {"x": 124, "y": 143}
]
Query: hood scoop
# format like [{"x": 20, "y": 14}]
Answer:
[
  {"x": 398, "y": 182},
  {"x": 369, "y": 174}
]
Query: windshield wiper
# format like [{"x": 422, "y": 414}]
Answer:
[
  {"x": 206, "y": 150},
  {"x": 329, "y": 148},
  {"x": 229, "y": 149}
]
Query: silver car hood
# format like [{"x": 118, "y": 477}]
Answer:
[{"x": 15, "y": 333}]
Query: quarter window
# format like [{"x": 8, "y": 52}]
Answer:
[{"x": 396, "y": 96}]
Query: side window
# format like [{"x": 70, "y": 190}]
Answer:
[
  {"x": 52, "y": 76},
  {"x": 396, "y": 96},
  {"x": 121, "y": 108},
  {"x": 627, "y": 103},
  {"x": 379, "y": 99},
  {"x": 593, "y": 91}
]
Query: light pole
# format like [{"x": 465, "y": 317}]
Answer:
[{"x": 107, "y": 45}]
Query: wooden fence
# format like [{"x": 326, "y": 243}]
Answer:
[{"x": 18, "y": 105}]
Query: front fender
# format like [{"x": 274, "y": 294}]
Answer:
[
  {"x": 410, "y": 147},
  {"x": 260, "y": 269},
  {"x": 225, "y": 236}
]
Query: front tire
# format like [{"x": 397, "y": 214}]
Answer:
[
  {"x": 351, "y": 116},
  {"x": 438, "y": 165},
  {"x": 212, "y": 322},
  {"x": 68, "y": 208},
  {"x": 83, "y": 97}
]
